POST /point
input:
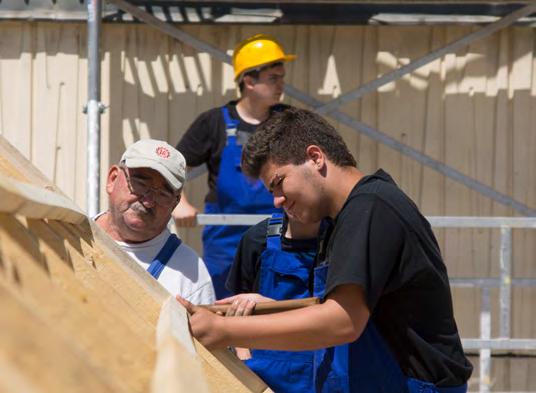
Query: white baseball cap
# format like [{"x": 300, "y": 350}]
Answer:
[{"x": 160, "y": 156}]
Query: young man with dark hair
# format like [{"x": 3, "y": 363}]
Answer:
[
  {"x": 216, "y": 138},
  {"x": 381, "y": 276}
]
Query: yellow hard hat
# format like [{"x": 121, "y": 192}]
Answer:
[{"x": 257, "y": 51}]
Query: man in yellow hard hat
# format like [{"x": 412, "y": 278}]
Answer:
[{"x": 216, "y": 138}]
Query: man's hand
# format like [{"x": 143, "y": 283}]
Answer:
[
  {"x": 206, "y": 326},
  {"x": 185, "y": 214},
  {"x": 242, "y": 304}
]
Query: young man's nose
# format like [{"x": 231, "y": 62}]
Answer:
[{"x": 279, "y": 201}]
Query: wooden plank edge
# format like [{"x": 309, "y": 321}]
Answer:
[
  {"x": 178, "y": 368},
  {"x": 173, "y": 322},
  {"x": 36, "y": 202},
  {"x": 224, "y": 362},
  {"x": 228, "y": 365},
  {"x": 22, "y": 168}
]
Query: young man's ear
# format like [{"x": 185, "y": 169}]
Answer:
[
  {"x": 249, "y": 81},
  {"x": 316, "y": 155}
]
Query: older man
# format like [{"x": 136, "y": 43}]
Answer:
[{"x": 143, "y": 190}]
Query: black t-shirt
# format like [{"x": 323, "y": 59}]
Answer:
[
  {"x": 382, "y": 243},
  {"x": 244, "y": 274},
  {"x": 206, "y": 138}
]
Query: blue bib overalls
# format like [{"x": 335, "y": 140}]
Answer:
[
  {"x": 284, "y": 275},
  {"x": 163, "y": 256},
  {"x": 237, "y": 194},
  {"x": 366, "y": 365}
]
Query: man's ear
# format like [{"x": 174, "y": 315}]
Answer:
[
  {"x": 248, "y": 81},
  {"x": 316, "y": 155},
  {"x": 113, "y": 174}
]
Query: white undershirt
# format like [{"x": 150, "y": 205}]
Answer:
[{"x": 185, "y": 274}]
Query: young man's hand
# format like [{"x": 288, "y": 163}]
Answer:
[
  {"x": 242, "y": 304},
  {"x": 207, "y": 327}
]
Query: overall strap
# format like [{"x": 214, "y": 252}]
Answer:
[
  {"x": 158, "y": 263},
  {"x": 231, "y": 124},
  {"x": 273, "y": 231}
]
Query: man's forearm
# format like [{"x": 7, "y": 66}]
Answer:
[
  {"x": 340, "y": 319},
  {"x": 313, "y": 327}
]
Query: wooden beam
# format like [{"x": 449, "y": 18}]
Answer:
[
  {"x": 36, "y": 202},
  {"x": 28, "y": 260},
  {"x": 36, "y": 357},
  {"x": 70, "y": 269},
  {"x": 16, "y": 166},
  {"x": 144, "y": 295},
  {"x": 110, "y": 344},
  {"x": 227, "y": 365},
  {"x": 178, "y": 368}
]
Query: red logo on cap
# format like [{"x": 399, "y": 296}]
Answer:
[{"x": 162, "y": 152}]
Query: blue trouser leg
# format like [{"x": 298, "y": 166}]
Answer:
[
  {"x": 218, "y": 268},
  {"x": 283, "y": 371}
]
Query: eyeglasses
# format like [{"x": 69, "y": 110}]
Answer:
[{"x": 140, "y": 188}]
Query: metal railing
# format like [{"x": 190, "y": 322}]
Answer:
[{"x": 485, "y": 344}]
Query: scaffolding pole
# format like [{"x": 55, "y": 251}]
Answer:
[{"x": 93, "y": 108}]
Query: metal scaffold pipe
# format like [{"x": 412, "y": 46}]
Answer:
[{"x": 94, "y": 8}]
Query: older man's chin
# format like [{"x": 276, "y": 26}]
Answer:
[{"x": 138, "y": 220}]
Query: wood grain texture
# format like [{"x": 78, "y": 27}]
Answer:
[
  {"x": 36, "y": 357},
  {"x": 177, "y": 369},
  {"x": 95, "y": 296}
]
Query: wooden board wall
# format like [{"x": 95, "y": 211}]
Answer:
[{"x": 474, "y": 110}]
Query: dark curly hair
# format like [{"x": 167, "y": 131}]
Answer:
[{"x": 284, "y": 138}]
